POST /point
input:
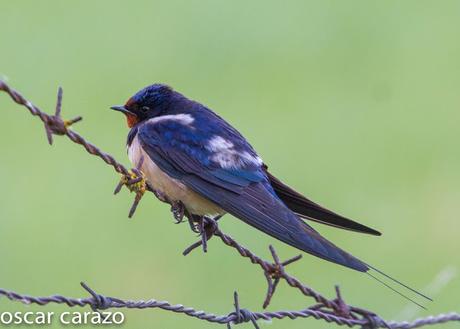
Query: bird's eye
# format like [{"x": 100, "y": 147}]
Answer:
[{"x": 145, "y": 109}]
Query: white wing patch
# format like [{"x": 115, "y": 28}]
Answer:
[
  {"x": 219, "y": 144},
  {"x": 185, "y": 119},
  {"x": 226, "y": 155}
]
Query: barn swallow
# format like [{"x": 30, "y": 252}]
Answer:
[{"x": 193, "y": 156}]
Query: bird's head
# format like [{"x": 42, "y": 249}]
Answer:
[{"x": 150, "y": 102}]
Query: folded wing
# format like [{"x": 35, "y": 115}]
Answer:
[
  {"x": 308, "y": 209},
  {"x": 244, "y": 192}
]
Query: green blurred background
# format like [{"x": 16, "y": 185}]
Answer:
[{"x": 355, "y": 103}]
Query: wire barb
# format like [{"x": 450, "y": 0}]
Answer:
[
  {"x": 99, "y": 302},
  {"x": 241, "y": 315},
  {"x": 333, "y": 311},
  {"x": 55, "y": 125},
  {"x": 274, "y": 273},
  {"x": 135, "y": 182}
]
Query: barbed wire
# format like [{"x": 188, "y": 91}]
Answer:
[
  {"x": 99, "y": 302},
  {"x": 330, "y": 310}
]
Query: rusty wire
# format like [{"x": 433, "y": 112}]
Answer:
[{"x": 334, "y": 311}]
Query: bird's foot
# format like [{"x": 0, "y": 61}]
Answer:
[
  {"x": 206, "y": 227},
  {"x": 178, "y": 211},
  {"x": 135, "y": 182},
  {"x": 194, "y": 222}
]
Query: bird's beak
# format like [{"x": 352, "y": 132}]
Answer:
[{"x": 122, "y": 109}]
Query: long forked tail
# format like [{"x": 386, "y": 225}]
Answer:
[{"x": 381, "y": 281}]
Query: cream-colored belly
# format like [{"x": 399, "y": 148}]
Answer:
[{"x": 172, "y": 188}]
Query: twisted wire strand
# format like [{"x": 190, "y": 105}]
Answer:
[
  {"x": 355, "y": 317},
  {"x": 58, "y": 127},
  {"x": 429, "y": 320},
  {"x": 101, "y": 302}
]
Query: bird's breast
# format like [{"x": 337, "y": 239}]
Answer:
[{"x": 172, "y": 188}]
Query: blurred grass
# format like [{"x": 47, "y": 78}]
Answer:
[{"x": 354, "y": 103}]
